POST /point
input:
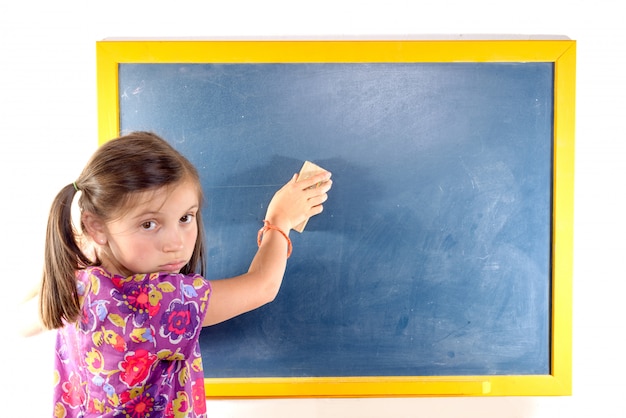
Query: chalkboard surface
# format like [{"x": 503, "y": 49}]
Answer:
[{"x": 433, "y": 254}]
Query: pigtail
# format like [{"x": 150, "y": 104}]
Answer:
[{"x": 59, "y": 301}]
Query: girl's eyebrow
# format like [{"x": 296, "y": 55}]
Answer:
[
  {"x": 193, "y": 207},
  {"x": 150, "y": 213}
]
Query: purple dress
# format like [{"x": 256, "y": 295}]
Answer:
[{"x": 134, "y": 352}]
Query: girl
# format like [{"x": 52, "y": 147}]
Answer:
[{"x": 124, "y": 285}]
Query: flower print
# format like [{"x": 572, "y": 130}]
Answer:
[
  {"x": 181, "y": 320},
  {"x": 108, "y": 389},
  {"x": 63, "y": 352},
  {"x": 59, "y": 410},
  {"x": 115, "y": 340},
  {"x": 94, "y": 282},
  {"x": 96, "y": 406},
  {"x": 98, "y": 380},
  {"x": 80, "y": 288},
  {"x": 73, "y": 391},
  {"x": 198, "y": 396},
  {"x": 179, "y": 407},
  {"x": 136, "y": 366},
  {"x": 170, "y": 355},
  {"x": 148, "y": 335},
  {"x": 196, "y": 365},
  {"x": 109, "y": 337},
  {"x": 94, "y": 361},
  {"x": 189, "y": 291},
  {"x": 113, "y": 399},
  {"x": 101, "y": 309},
  {"x": 141, "y": 402},
  {"x": 87, "y": 320},
  {"x": 118, "y": 282},
  {"x": 140, "y": 406},
  {"x": 155, "y": 300},
  {"x": 140, "y": 335},
  {"x": 138, "y": 299}
]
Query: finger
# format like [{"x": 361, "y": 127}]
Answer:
[
  {"x": 318, "y": 190},
  {"x": 317, "y": 209},
  {"x": 318, "y": 200},
  {"x": 319, "y": 187},
  {"x": 316, "y": 180},
  {"x": 326, "y": 186}
]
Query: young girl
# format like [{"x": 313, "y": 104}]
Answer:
[{"x": 124, "y": 285}]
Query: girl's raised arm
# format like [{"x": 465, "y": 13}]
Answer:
[{"x": 291, "y": 205}]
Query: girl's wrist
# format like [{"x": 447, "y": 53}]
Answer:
[
  {"x": 283, "y": 225},
  {"x": 269, "y": 226}
]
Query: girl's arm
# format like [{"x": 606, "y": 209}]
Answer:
[
  {"x": 27, "y": 322},
  {"x": 291, "y": 205}
]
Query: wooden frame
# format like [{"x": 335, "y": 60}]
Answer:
[{"x": 561, "y": 52}]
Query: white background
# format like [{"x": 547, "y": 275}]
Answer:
[{"x": 48, "y": 130}]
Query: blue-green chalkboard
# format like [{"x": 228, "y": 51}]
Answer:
[{"x": 433, "y": 254}]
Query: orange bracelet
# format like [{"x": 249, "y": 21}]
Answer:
[{"x": 266, "y": 227}]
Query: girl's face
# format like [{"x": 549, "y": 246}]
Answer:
[{"x": 157, "y": 234}]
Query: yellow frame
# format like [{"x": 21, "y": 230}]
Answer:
[{"x": 562, "y": 52}]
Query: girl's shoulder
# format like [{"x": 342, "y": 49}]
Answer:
[
  {"x": 100, "y": 272},
  {"x": 96, "y": 275}
]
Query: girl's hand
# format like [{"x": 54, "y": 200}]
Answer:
[{"x": 297, "y": 201}]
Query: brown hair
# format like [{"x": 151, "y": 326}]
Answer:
[{"x": 136, "y": 162}]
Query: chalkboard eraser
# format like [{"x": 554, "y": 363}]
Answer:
[{"x": 308, "y": 169}]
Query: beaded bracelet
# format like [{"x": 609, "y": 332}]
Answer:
[{"x": 266, "y": 227}]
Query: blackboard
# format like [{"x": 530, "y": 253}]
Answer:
[{"x": 434, "y": 255}]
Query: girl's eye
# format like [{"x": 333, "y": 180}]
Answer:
[
  {"x": 186, "y": 219},
  {"x": 148, "y": 225}
]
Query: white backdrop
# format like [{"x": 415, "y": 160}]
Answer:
[{"x": 48, "y": 130}]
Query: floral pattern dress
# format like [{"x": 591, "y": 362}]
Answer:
[{"x": 134, "y": 352}]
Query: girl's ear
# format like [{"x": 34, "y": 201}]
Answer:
[{"x": 94, "y": 227}]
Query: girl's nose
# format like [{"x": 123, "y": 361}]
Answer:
[{"x": 173, "y": 241}]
